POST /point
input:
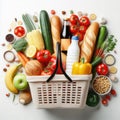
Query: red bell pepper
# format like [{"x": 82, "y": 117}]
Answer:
[{"x": 102, "y": 69}]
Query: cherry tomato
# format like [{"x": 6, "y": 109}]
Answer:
[
  {"x": 82, "y": 28},
  {"x": 104, "y": 101},
  {"x": 102, "y": 69},
  {"x": 113, "y": 92},
  {"x": 80, "y": 35},
  {"x": 19, "y": 31},
  {"x": 108, "y": 97},
  {"x": 53, "y": 12},
  {"x": 84, "y": 20},
  {"x": 74, "y": 29},
  {"x": 43, "y": 56},
  {"x": 74, "y": 19}
]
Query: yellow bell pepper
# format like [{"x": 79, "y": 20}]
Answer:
[{"x": 81, "y": 68}]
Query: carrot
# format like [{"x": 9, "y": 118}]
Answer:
[{"x": 23, "y": 59}]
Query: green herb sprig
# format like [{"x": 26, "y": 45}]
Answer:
[{"x": 111, "y": 43}]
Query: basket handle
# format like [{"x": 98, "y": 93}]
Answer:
[{"x": 59, "y": 59}]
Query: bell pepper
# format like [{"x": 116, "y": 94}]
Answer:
[
  {"x": 80, "y": 68},
  {"x": 93, "y": 99}
]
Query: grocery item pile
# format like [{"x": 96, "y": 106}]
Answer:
[{"x": 86, "y": 48}]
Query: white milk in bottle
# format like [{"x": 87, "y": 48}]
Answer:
[{"x": 73, "y": 54}]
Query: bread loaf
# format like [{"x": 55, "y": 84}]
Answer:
[
  {"x": 56, "y": 27},
  {"x": 88, "y": 45}
]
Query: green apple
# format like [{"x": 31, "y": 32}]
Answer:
[{"x": 20, "y": 81}]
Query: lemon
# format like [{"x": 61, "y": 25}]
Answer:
[
  {"x": 93, "y": 16},
  {"x": 9, "y": 47},
  {"x": 113, "y": 70},
  {"x": 31, "y": 51}
]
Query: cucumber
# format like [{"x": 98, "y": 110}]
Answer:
[
  {"x": 102, "y": 36},
  {"x": 103, "y": 32},
  {"x": 46, "y": 30}
]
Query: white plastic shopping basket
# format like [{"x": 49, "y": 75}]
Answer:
[
  {"x": 59, "y": 93},
  {"x": 56, "y": 91}
]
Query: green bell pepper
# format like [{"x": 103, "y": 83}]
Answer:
[{"x": 93, "y": 99}]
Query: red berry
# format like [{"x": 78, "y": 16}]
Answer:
[
  {"x": 104, "y": 101},
  {"x": 53, "y": 12},
  {"x": 7, "y": 94},
  {"x": 108, "y": 97},
  {"x": 113, "y": 92}
]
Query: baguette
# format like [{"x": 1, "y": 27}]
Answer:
[
  {"x": 89, "y": 41},
  {"x": 56, "y": 27}
]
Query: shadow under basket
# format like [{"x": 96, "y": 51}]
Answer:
[{"x": 59, "y": 92}]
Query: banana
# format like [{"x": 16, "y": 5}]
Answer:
[{"x": 9, "y": 78}]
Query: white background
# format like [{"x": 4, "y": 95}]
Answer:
[{"x": 9, "y": 9}]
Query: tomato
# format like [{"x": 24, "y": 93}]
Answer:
[
  {"x": 53, "y": 12},
  {"x": 104, "y": 101},
  {"x": 52, "y": 63},
  {"x": 43, "y": 56},
  {"x": 113, "y": 92},
  {"x": 80, "y": 35},
  {"x": 19, "y": 31},
  {"x": 84, "y": 20},
  {"x": 74, "y": 29},
  {"x": 74, "y": 19},
  {"x": 46, "y": 72},
  {"x": 82, "y": 28},
  {"x": 108, "y": 97},
  {"x": 102, "y": 69}
]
